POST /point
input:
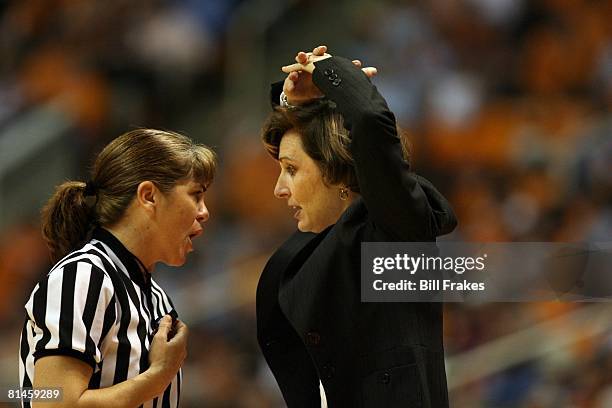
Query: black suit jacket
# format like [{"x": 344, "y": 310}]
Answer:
[{"x": 311, "y": 323}]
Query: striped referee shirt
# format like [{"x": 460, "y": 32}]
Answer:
[{"x": 100, "y": 305}]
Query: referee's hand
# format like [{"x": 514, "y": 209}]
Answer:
[{"x": 168, "y": 352}]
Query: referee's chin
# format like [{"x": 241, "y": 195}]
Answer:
[
  {"x": 175, "y": 259},
  {"x": 178, "y": 257},
  {"x": 179, "y": 261}
]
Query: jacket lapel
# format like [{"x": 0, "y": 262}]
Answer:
[
  {"x": 294, "y": 250},
  {"x": 304, "y": 284}
]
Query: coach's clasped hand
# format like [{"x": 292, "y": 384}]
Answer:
[{"x": 298, "y": 87}]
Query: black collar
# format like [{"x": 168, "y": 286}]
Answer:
[{"x": 136, "y": 269}]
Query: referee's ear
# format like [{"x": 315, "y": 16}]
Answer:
[{"x": 147, "y": 195}]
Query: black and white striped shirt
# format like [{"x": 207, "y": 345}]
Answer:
[{"x": 97, "y": 305}]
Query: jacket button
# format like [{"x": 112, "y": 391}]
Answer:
[
  {"x": 313, "y": 338},
  {"x": 385, "y": 378},
  {"x": 336, "y": 81},
  {"x": 270, "y": 342},
  {"x": 328, "y": 371},
  {"x": 328, "y": 71}
]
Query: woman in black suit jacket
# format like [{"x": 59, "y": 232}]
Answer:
[{"x": 344, "y": 172}]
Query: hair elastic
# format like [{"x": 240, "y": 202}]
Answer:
[{"x": 90, "y": 189}]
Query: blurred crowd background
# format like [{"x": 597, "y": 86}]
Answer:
[{"x": 507, "y": 102}]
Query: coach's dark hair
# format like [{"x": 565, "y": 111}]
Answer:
[
  {"x": 324, "y": 138},
  {"x": 162, "y": 157}
]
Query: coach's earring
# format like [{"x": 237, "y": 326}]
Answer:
[{"x": 344, "y": 193}]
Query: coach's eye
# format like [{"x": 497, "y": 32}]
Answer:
[{"x": 291, "y": 170}]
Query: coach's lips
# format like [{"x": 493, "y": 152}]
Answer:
[
  {"x": 297, "y": 209},
  {"x": 195, "y": 234}
]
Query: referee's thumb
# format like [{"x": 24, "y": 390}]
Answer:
[{"x": 165, "y": 324}]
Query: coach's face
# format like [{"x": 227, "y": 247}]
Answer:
[
  {"x": 179, "y": 217},
  {"x": 317, "y": 205}
]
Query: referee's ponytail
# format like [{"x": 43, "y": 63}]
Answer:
[{"x": 66, "y": 219}]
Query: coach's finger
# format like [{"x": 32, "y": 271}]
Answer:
[
  {"x": 302, "y": 57},
  {"x": 320, "y": 50},
  {"x": 370, "y": 71},
  {"x": 292, "y": 68}
]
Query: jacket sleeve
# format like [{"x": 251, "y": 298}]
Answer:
[
  {"x": 399, "y": 202},
  {"x": 275, "y": 90}
]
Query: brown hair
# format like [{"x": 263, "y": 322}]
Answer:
[
  {"x": 324, "y": 139},
  {"x": 163, "y": 157}
]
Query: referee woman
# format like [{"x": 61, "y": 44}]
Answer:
[{"x": 98, "y": 326}]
